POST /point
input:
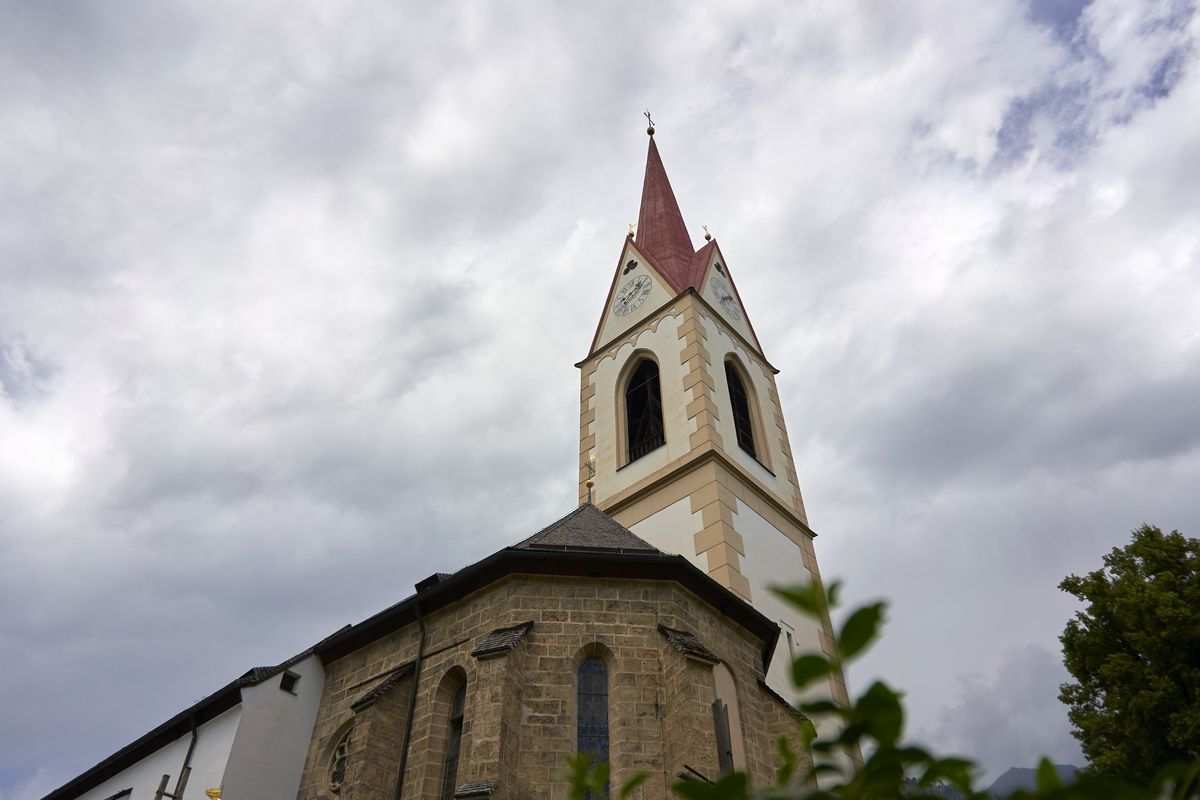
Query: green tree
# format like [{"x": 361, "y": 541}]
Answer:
[{"x": 1135, "y": 655}]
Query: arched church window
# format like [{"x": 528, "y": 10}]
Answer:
[
  {"x": 337, "y": 765},
  {"x": 731, "y": 749},
  {"x": 593, "y": 710},
  {"x": 453, "y": 743},
  {"x": 643, "y": 410},
  {"x": 743, "y": 418}
]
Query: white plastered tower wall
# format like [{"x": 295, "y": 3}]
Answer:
[{"x": 737, "y": 516}]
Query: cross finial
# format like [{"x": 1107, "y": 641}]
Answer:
[
  {"x": 707, "y": 235},
  {"x": 649, "y": 122},
  {"x": 591, "y": 480}
]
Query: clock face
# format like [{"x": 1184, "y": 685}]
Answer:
[
  {"x": 724, "y": 296},
  {"x": 631, "y": 295}
]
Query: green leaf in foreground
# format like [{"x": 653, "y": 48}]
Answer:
[
  {"x": 1047, "y": 776},
  {"x": 860, "y": 630},
  {"x": 809, "y": 599},
  {"x": 734, "y": 786},
  {"x": 880, "y": 713},
  {"x": 809, "y": 668},
  {"x": 632, "y": 784}
]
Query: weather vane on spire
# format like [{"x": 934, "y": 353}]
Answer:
[{"x": 649, "y": 122}]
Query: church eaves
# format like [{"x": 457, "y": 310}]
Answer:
[{"x": 585, "y": 543}]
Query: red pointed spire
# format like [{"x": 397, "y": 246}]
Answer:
[{"x": 661, "y": 232}]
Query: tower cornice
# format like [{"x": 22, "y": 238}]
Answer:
[{"x": 708, "y": 453}]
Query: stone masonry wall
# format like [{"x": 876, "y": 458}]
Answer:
[{"x": 520, "y": 718}]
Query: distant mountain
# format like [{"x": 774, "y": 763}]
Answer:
[
  {"x": 939, "y": 789},
  {"x": 1016, "y": 778}
]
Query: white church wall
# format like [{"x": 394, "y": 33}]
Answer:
[
  {"x": 272, "y": 740},
  {"x": 214, "y": 742},
  {"x": 673, "y": 530},
  {"x": 722, "y": 344},
  {"x": 772, "y": 559}
]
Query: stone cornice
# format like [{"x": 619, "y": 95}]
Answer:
[{"x": 705, "y": 454}]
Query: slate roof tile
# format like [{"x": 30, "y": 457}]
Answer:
[
  {"x": 586, "y": 528},
  {"x": 501, "y": 640},
  {"x": 381, "y": 689},
  {"x": 687, "y": 644},
  {"x": 477, "y": 789}
]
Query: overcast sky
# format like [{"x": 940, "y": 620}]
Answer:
[{"x": 290, "y": 295}]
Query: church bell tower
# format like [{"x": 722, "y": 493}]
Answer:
[{"x": 681, "y": 429}]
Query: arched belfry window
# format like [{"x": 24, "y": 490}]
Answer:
[
  {"x": 592, "y": 732},
  {"x": 643, "y": 411},
  {"x": 743, "y": 415}
]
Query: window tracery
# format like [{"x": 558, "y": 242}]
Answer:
[{"x": 337, "y": 765}]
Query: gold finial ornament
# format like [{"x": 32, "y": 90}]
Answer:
[
  {"x": 213, "y": 793},
  {"x": 591, "y": 465},
  {"x": 707, "y": 235},
  {"x": 631, "y": 229},
  {"x": 649, "y": 123}
]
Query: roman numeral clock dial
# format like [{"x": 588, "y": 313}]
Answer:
[
  {"x": 725, "y": 298},
  {"x": 631, "y": 295}
]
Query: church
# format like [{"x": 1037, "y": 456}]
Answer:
[{"x": 639, "y": 628}]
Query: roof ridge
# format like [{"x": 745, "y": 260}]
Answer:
[
  {"x": 256, "y": 675},
  {"x": 573, "y": 512},
  {"x": 596, "y": 531}
]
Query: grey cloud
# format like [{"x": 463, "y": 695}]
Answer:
[
  {"x": 1012, "y": 717},
  {"x": 23, "y": 376},
  {"x": 76, "y": 45},
  {"x": 992, "y": 415}
]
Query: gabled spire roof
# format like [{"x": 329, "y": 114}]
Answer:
[
  {"x": 663, "y": 241},
  {"x": 661, "y": 233}
]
